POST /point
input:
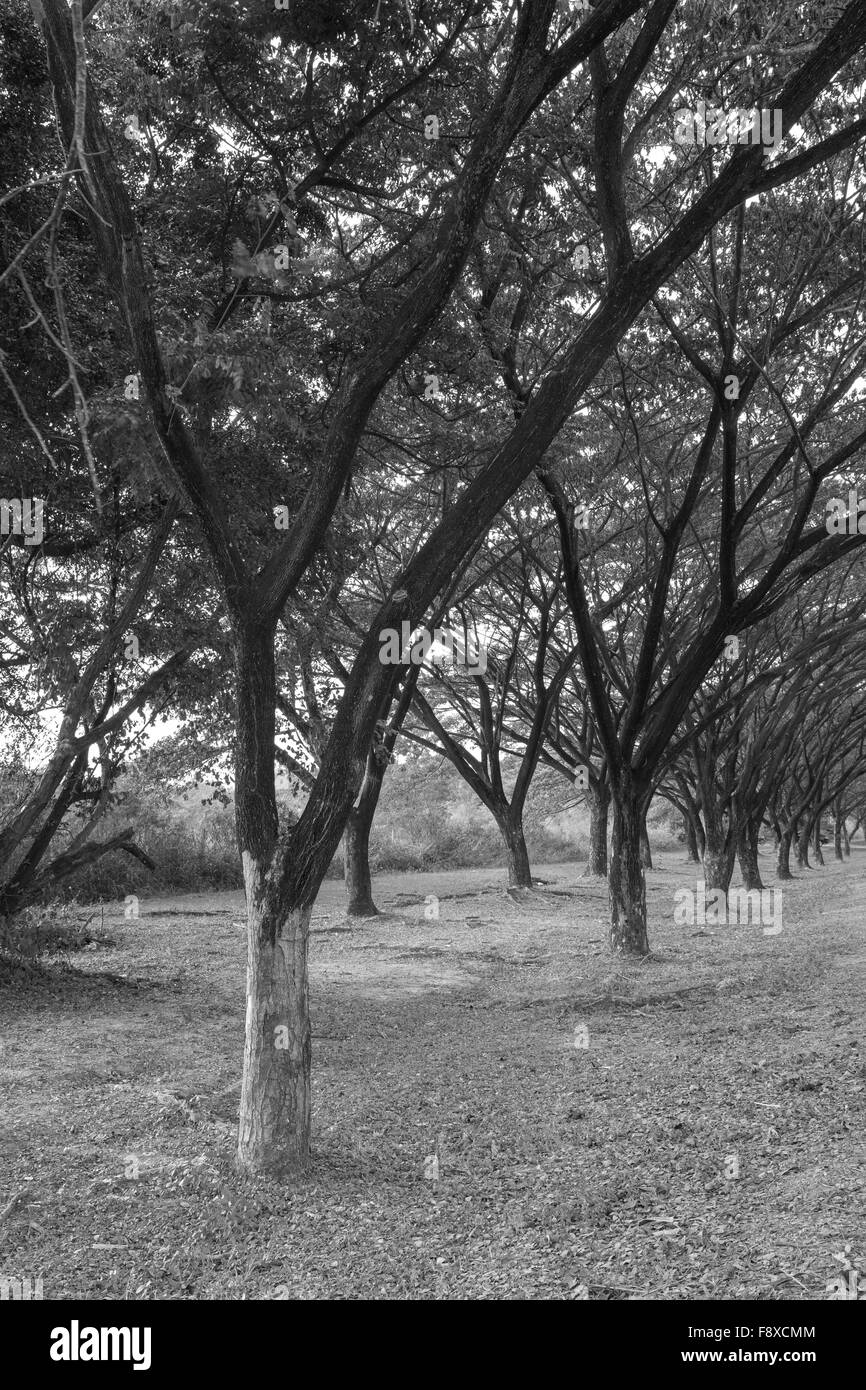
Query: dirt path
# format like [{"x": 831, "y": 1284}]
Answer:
[{"x": 707, "y": 1142}]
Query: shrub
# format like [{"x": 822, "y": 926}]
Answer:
[{"x": 45, "y": 930}]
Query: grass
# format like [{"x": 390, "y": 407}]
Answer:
[{"x": 570, "y": 1172}]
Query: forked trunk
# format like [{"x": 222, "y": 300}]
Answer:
[
  {"x": 747, "y": 856},
  {"x": 626, "y": 880}
]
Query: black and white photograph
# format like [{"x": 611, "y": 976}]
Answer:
[{"x": 433, "y": 666}]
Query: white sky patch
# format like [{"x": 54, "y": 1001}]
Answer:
[{"x": 226, "y": 144}]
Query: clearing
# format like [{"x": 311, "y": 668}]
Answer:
[{"x": 603, "y": 1171}]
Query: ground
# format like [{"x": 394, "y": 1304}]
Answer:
[{"x": 706, "y": 1143}]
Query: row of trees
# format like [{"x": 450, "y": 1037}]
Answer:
[{"x": 550, "y": 374}]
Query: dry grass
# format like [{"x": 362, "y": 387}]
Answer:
[{"x": 564, "y": 1171}]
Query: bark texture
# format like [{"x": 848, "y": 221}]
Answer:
[
  {"x": 598, "y": 796},
  {"x": 516, "y": 853},
  {"x": 816, "y": 843},
  {"x": 783, "y": 855},
  {"x": 356, "y": 842},
  {"x": 274, "y": 1132},
  {"x": 719, "y": 851},
  {"x": 692, "y": 855},
  {"x": 646, "y": 856},
  {"x": 626, "y": 879},
  {"x": 747, "y": 855}
]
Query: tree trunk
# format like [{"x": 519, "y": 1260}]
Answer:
[
  {"x": 598, "y": 796},
  {"x": 783, "y": 858},
  {"x": 274, "y": 1135},
  {"x": 626, "y": 880},
  {"x": 516, "y": 853},
  {"x": 718, "y": 852},
  {"x": 747, "y": 855},
  {"x": 692, "y": 856},
  {"x": 718, "y": 867},
  {"x": 274, "y": 1130},
  {"x": 816, "y": 841},
  {"x": 356, "y": 841},
  {"x": 837, "y": 836},
  {"x": 802, "y": 850},
  {"x": 646, "y": 857},
  {"x": 356, "y": 866},
  {"x": 700, "y": 836},
  {"x": 846, "y": 843}
]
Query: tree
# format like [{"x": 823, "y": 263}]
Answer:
[
  {"x": 99, "y": 696},
  {"x": 283, "y": 869}
]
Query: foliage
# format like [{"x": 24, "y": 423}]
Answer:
[{"x": 47, "y": 930}]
